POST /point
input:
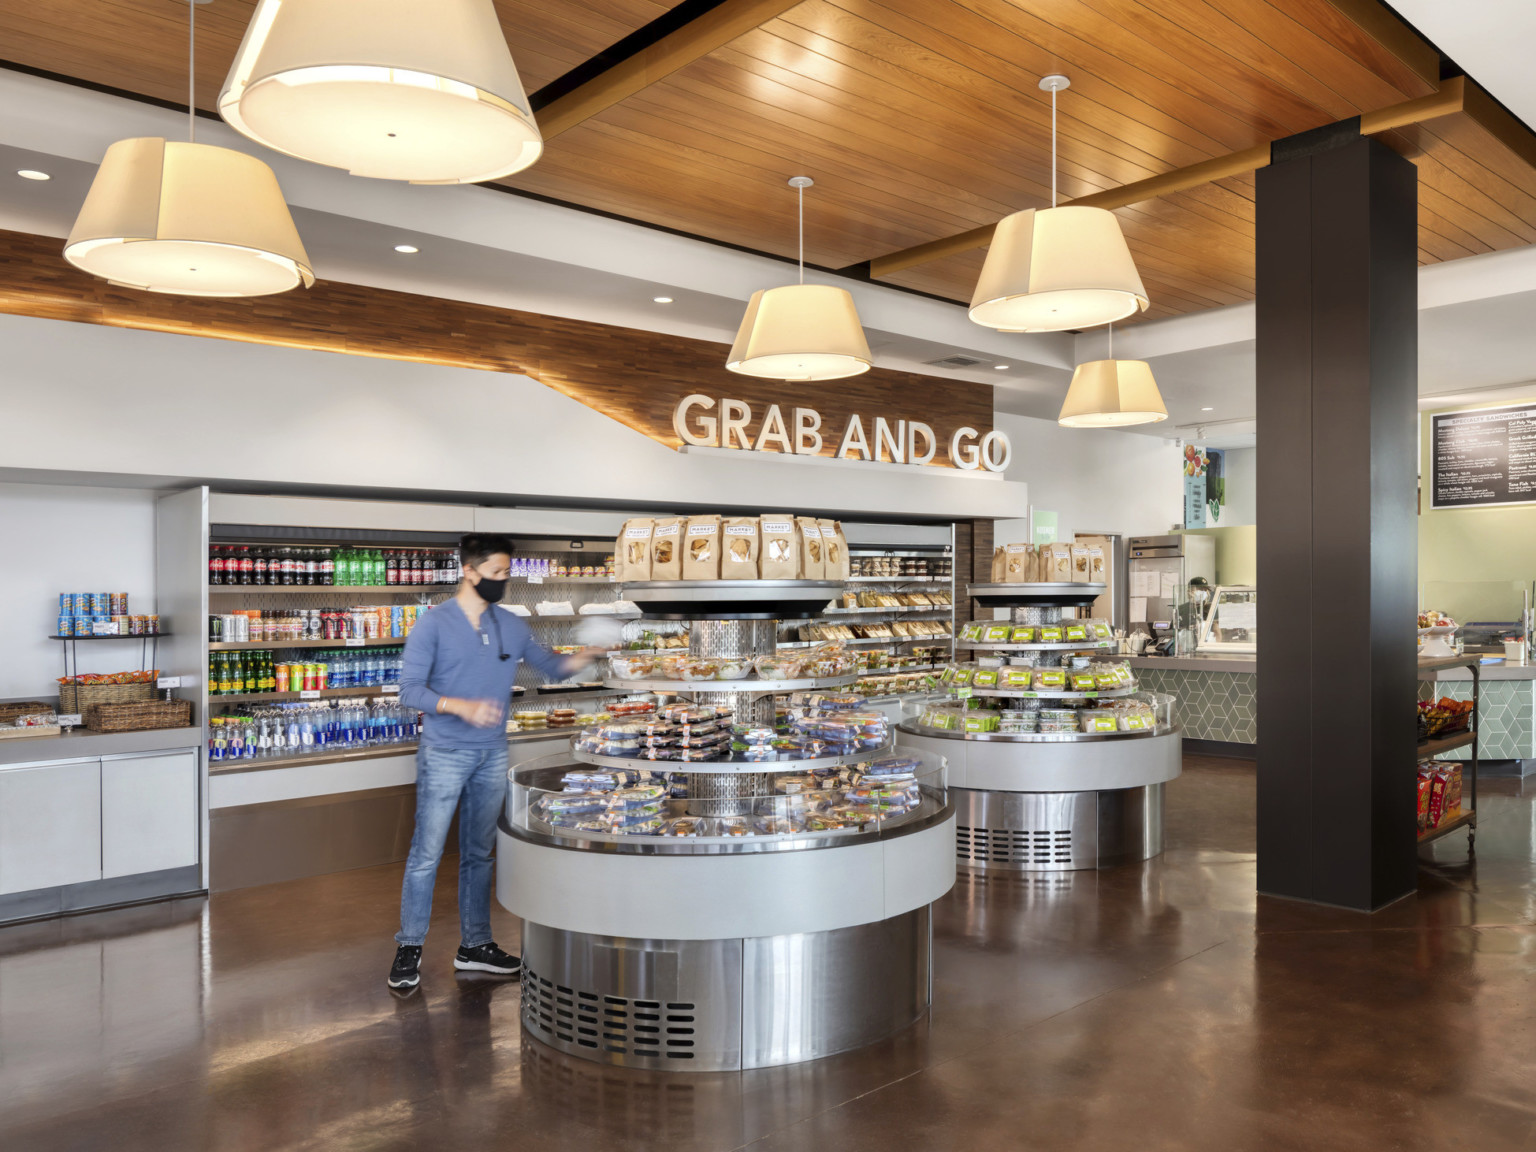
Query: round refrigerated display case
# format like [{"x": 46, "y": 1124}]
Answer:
[
  {"x": 1057, "y": 760},
  {"x": 738, "y": 878}
]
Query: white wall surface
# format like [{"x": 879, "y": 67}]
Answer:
[
  {"x": 68, "y": 539},
  {"x": 1094, "y": 480},
  {"x": 207, "y": 410}
]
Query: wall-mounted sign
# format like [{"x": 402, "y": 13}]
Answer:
[
  {"x": 1483, "y": 457},
  {"x": 1205, "y": 486},
  {"x": 706, "y": 422}
]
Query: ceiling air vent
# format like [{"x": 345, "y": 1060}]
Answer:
[{"x": 955, "y": 362}]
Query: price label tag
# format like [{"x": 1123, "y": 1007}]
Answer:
[
  {"x": 964, "y": 693},
  {"x": 168, "y": 682},
  {"x": 353, "y": 642},
  {"x": 71, "y": 720},
  {"x": 310, "y": 694},
  {"x": 535, "y": 579},
  {"x": 390, "y": 689}
]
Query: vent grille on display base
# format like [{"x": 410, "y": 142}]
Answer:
[
  {"x": 955, "y": 362},
  {"x": 650, "y": 1029},
  {"x": 1035, "y": 848}
]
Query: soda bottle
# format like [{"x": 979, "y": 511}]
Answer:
[
  {"x": 391, "y": 567},
  {"x": 327, "y": 566},
  {"x": 215, "y": 564},
  {"x": 214, "y": 660},
  {"x": 311, "y": 567},
  {"x": 259, "y": 560}
]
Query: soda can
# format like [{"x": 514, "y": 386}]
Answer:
[
  {"x": 216, "y": 628},
  {"x": 66, "y": 603},
  {"x": 397, "y": 621},
  {"x": 66, "y": 626},
  {"x": 135, "y": 625},
  {"x": 281, "y": 673},
  {"x": 322, "y": 674}
]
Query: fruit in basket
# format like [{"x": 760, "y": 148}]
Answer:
[{"x": 1433, "y": 619}]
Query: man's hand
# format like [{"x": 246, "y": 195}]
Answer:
[{"x": 480, "y": 713}]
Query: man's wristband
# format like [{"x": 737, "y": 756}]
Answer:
[{"x": 441, "y": 700}]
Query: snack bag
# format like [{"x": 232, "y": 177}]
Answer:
[
  {"x": 1061, "y": 565},
  {"x": 999, "y": 563},
  {"x": 667, "y": 548},
  {"x": 1424, "y": 790},
  {"x": 834, "y": 548},
  {"x": 739, "y": 548},
  {"x": 1100, "y": 722},
  {"x": 1016, "y": 566},
  {"x": 1096, "y": 569},
  {"x": 778, "y": 552},
  {"x": 1021, "y": 634},
  {"x": 1079, "y": 564},
  {"x": 701, "y": 548},
  {"x": 812, "y": 557},
  {"x": 633, "y": 560},
  {"x": 1032, "y": 565}
]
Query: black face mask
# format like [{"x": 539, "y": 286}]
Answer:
[{"x": 491, "y": 591}]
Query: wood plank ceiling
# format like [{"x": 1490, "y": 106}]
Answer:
[{"x": 920, "y": 119}]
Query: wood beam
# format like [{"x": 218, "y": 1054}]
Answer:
[
  {"x": 657, "y": 60},
  {"x": 1452, "y": 97}
]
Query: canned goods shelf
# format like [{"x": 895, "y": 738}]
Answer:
[
  {"x": 116, "y": 636},
  {"x": 316, "y": 589},
  {"x": 242, "y": 645}
]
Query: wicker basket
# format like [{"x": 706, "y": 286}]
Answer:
[
  {"x": 79, "y": 697},
  {"x": 140, "y": 717},
  {"x": 9, "y": 712}
]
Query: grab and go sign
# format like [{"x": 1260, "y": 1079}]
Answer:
[{"x": 705, "y": 422}]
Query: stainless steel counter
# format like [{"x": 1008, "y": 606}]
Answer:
[
  {"x": 1195, "y": 663},
  {"x": 78, "y": 743},
  {"x": 1490, "y": 672}
]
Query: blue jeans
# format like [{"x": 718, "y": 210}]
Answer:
[{"x": 473, "y": 780}]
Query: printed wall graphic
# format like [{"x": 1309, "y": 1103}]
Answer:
[
  {"x": 1205, "y": 487},
  {"x": 1483, "y": 457}
]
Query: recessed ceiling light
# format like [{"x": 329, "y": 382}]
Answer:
[
  {"x": 408, "y": 249},
  {"x": 32, "y": 174},
  {"x": 1207, "y": 409},
  {"x": 661, "y": 299},
  {"x": 1000, "y": 367}
]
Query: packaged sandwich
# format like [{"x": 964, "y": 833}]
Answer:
[
  {"x": 701, "y": 548},
  {"x": 738, "y": 548},
  {"x": 633, "y": 558},
  {"x": 778, "y": 551},
  {"x": 667, "y": 548},
  {"x": 812, "y": 556}
]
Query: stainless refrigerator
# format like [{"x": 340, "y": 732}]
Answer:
[{"x": 1158, "y": 570}]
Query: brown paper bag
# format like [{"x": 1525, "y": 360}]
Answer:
[
  {"x": 667, "y": 548},
  {"x": 701, "y": 548},
  {"x": 739, "y": 548},
  {"x": 778, "y": 549},
  {"x": 813, "y": 565},
  {"x": 1079, "y": 564},
  {"x": 1096, "y": 569},
  {"x": 999, "y": 564},
  {"x": 1015, "y": 563},
  {"x": 834, "y": 548},
  {"x": 1032, "y": 565},
  {"x": 632, "y": 556}
]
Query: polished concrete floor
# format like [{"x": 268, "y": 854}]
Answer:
[{"x": 1155, "y": 1007}]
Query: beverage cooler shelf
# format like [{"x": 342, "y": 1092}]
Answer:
[{"x": 245, "y": 645}]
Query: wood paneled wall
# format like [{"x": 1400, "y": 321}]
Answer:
[
  {"x": 633, "y": 376},
  {"x": 973, "y": 564}
]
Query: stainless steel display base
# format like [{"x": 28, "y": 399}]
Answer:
[
  {"x": 1057, "y": 831},
  {"x": 725, "y": 1005}
]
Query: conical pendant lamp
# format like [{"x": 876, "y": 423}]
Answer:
[
  {"x": 188, "y": 219},
  {"x": 417, "y": 90},
  {"x": 801, "y": 331},
  {"x": 1057, "y": 269},
  {"x": 1112, "y": 394}
]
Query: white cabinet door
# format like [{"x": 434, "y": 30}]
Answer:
[
  {"x": 50, "y": 825},
  {"x": 148, "y": 813}
]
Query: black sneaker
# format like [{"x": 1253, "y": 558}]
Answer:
[
  {"x": 487, "y": 958},
  {"x": 406, "y": 970}
]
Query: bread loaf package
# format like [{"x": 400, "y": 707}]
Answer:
[
  {"x": 999, "y": 563},
  {"x": 739, "y": 548},
  {"x": 1096, "y": 569},
  {"x": 1079, "y": 564},
  {"x": 812, "y": 556},
  {"x": 701, "y": 548},
  {"x": 1015, "y": 563},
  {"x": 667, "y": 548},
  {"x": 834, "y": 551},
  {"x": 778, "y": 549},
  {"x": 633, "y": 561}
]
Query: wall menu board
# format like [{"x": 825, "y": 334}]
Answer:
[{"x": 1483, "y": 457}]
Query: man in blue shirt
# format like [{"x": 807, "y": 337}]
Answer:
[{"x": 459, "y": 664}]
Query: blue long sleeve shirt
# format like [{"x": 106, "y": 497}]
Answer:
[{"x": 446, "y": 655}]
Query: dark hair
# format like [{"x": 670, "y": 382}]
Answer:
[{"x": 478, "y": 547}]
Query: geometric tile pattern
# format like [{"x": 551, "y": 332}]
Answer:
[
  {"x": 1505, "y": 711},
  {"x": 1212, "y": 705}
]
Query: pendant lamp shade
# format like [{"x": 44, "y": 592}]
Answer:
[
  {"x": 188, "y": 219},
  {"x": 416, "y": 90},
  {"x": 1112, "y": 394},
  {"x": 1055, "y": 270},
  {"x": 800, "y": 332}
]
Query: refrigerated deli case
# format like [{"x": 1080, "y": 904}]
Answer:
[
  {"x": 1057, "y": 800},
  {"x": 746, "y": 912}
]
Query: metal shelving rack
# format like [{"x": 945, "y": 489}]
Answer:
[{"x": 1429, "y": 749}]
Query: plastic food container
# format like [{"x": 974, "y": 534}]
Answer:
[
  {"x": 1022, "y": 635},
  {"x": 734, "y": 670},
  {"x": 779, "y": 667},
  {"x": 632, "y": 667},
  {"x": 1097, "y": 721}
]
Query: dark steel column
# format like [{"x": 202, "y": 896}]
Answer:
[{"x": 1338, "y": 549}]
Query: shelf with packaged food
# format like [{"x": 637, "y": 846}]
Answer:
[
  {"x": 748, "y": 685},
  {"x": 897, "y": 579},
  {"x": 1033, "y": 694},
  {"x": 329, "y": 589},
  {"x": 738, "y": 763},
  {"x": 247, "y": 645},
  {"x": 902, "y": 610},
  {"x": 1064, "y": 646},
  {"x": 731, "y": 599},
  {"x": 1038, "y": 595},
  {"x": 1467, "y": 820},
  {"x": 863, "y": 641},
  {"x": 1467, "y": 741}
]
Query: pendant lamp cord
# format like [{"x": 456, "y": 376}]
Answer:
[
  {"x": 1053, "y": 147},
  {"x": 1111, "y": 353},
  {"x": 192, "y": 71},
  {"x": 801, "y": 192}
]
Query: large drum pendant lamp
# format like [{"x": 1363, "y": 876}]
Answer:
[
  {"x": 1057, "y": 269},
  {"x": 1112, "y": 394},
  {"x": 800, "y": 331},
  {"x": 187, "y": 218},
  {"x": 417, "y": 90}
]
